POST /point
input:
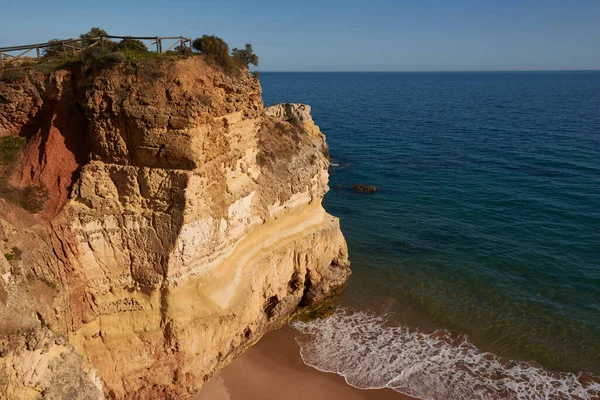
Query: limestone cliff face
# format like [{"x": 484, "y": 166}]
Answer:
[{"x": 182, "y": 221}]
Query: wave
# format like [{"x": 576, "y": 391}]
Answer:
[{"x": 372, "y": 353}]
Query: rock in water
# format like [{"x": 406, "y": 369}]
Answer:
[{"x": 364, "y": 188}]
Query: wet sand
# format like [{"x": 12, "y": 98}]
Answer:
[{"x": 273, "y": 370}]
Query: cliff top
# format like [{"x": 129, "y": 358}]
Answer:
[{"x": 97, "y": 50}]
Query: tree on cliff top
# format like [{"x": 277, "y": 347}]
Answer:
[
  {"x": 217, "y": 49},
  {"x": 245, "y": 56},
  {"x": 94, "y": 32},
  {"x": 213, "y": 47}
]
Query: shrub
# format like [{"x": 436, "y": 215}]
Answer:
[
  {"x": 94, "y": 32},
  {"x": 132, "y": 45},
  {"x": 211, "y": 46},
  {"x": 246, "y": 56},
  {"x": 182, "y": 51},
  {"x": 57, "y": 51},
  {"x": 31, "y": 198},
  {"x": 151, "y": 68},
  {"x": 12, "y": 74},
  {"x": 96, "y": 58},
  {"x": 283, "y": 127},
  {"x": 93, "y": 53},
  {"x": 14, "y": 252},
  {"x": 214, "y": 48},
  {"x": 54, "y": 50},
  {"x": 10, "y": 146}
]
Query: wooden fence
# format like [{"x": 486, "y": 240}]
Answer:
[{"x": 69, "y": 47}]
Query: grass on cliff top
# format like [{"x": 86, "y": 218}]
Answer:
[
  {"x": 94, "y": 62},
  {"x": 11, "y": 74}
]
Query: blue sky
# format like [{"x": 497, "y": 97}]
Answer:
[{"x": 337, "y": 35}]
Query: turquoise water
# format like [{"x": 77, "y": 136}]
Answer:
[{"x": 486, "y": 222}]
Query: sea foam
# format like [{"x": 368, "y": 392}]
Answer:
[{"x": 371, "y": 353}]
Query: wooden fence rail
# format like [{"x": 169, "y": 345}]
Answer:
[{"x": 76, "y": 45}]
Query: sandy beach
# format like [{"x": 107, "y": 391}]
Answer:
[{"x": 273, "y": 370}]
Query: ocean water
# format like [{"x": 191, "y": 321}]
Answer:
[{"x": 476, "y": 265}]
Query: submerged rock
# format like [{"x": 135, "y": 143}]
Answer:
[{"x": 364, "y": 188}]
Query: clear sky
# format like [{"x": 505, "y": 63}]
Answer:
[{"x": 342, "y": 35}]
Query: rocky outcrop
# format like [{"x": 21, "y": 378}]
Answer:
[
  {"x": 42, "y": 364},
  {"x": 364, "y": 188},
  {"x": 291, "y": 112},
  {"x": 183, "y": 221}
]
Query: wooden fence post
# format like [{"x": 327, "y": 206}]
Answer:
[
  {"x": 1, "y": 59},
  {"x": 101, "y": 42},
  {"x": 64, "y": 49},
  {"x": 37, "y": 50}
]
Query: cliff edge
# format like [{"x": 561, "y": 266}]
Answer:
[{"x": 157, "y": 222}]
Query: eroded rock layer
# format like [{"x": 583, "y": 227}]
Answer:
[{"x": 180, "y": 221}]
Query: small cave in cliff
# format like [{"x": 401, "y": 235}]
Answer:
[
  {"x": 294, "y": 283},
  {"x": 305, "y": 300},
  {"x": 270, "y": 305}
]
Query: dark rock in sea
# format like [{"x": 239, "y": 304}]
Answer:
[
  {"x": 364, "y": 188},
  {"x": 339, "y": 186}
]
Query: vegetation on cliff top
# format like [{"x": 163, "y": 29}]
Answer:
[
  {"x": 216, "y": 49},
  {"x": 94, "y": 58}
]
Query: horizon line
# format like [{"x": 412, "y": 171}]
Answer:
[{"x": 433, "y": 71}]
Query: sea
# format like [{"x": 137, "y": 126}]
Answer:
[{"x": 476, "y": 264}]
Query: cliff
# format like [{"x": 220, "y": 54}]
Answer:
[{"x": 158, "y": 222}]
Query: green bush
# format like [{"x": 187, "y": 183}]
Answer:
[
  {"x": 10, "y": 146},
  {"x": 132, "y": 45},
  {"x": 246, "y": 56},
  {"x": 92, "y": 53},
  {"x": 57, "y": 51},
  {"x": 31, "y": 198},
  {"x": 14, "y": 252},
  {"x": 94, "y": 32},
  {"x": 54, "y": 50},
  {"x": 178, "y": 50},
  {"x": 214, "y": 48},
  {"x": 97, "y": 58},
  {"x": 12, "y": 74}
]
